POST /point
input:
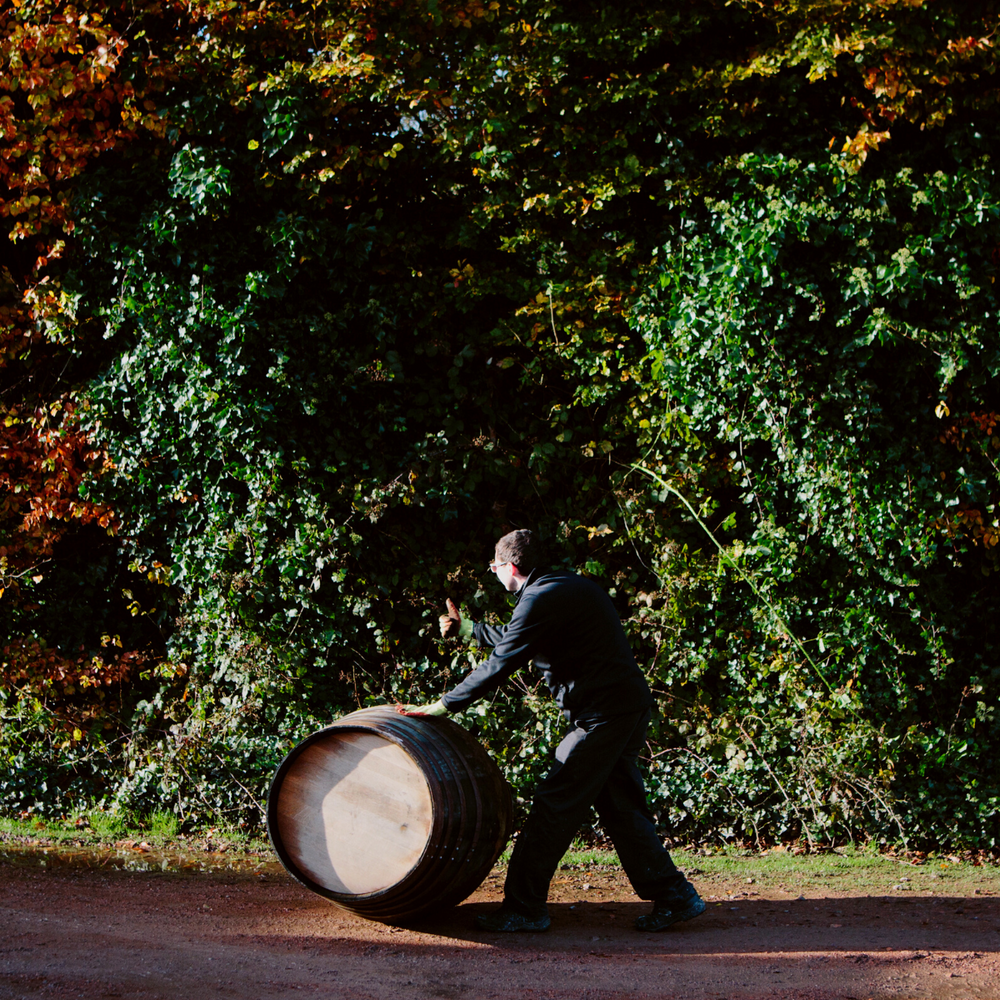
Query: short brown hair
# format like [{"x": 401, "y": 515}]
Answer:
[{"x": 520, "y": 548}]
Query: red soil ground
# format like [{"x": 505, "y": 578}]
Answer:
[{"x": 70, "y": 931}]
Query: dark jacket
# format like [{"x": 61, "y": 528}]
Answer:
[{"x": 568, "y": 626}]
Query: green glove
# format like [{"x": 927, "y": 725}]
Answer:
[{"x": 438, "y": 708}]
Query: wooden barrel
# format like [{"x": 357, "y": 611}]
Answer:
[{"x": 389, "y": 815}]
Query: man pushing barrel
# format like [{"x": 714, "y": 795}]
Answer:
[{"x": 568, "y": 626}]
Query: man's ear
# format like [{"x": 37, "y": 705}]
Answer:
[{"x": 514, "y": 569}]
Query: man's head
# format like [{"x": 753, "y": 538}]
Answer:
[{"x": 517, "y": 554}]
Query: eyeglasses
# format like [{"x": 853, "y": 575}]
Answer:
[{"x": 494, "y": 566}]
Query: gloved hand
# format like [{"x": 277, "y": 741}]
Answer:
[
  {"x": 450, "y": 623},
  {"x": 419, "y": 710}
]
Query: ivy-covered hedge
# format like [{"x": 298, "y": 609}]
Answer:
[
  {"x": 397, "y": 280},
  {"x": 828, "y": 349}
]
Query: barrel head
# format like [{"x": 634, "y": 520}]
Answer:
[{"x": 354, "y": 813}]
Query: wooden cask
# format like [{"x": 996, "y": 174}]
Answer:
[{"x": 389, "y": 815}]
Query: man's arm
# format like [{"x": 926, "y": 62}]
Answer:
[
  {"x": 487, "y": 635},
  {"x": 514, "y": 648}
]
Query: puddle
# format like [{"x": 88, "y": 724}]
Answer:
[{"x": 135, "y": 859}]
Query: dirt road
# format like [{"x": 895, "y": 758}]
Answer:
[{"x": 96, "y": 933}]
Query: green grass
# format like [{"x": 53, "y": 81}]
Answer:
[
  {"x": 98, "y": 827},
  {"x": 163, "y": 826},
  {"x": 108, "y": 826},
  {"x": 847, "y": 869},
  {"x": 26, "y": 830},
  {"x": 724, "y": 870},
  {"x": 583, "y": 857}
]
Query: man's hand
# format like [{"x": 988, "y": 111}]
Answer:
[
  {"x": 421, "y": 710},
  {"x": 451, "y": 622}
]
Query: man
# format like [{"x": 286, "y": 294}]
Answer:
[{"x": 568, "y": 626}]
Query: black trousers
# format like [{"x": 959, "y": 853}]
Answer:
[{"x": 595, "y": 765}]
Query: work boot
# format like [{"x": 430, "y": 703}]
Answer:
[
  {"x": 671, "y": 911},
  {"x": 509, "y": 920}
]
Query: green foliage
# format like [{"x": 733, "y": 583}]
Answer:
[
  {"x": 823, "y": 344},
  {"x": 398, "y": 279}
]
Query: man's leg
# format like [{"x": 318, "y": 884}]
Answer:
[
  {"x": 584, "y": 759},
  {"x": 626, "y": 818}
]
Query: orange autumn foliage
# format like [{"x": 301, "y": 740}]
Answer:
[
  {"x": 78, "y": 688},
  {"x": 63, "y": 102},
  {"x": 42, "y": 462}
]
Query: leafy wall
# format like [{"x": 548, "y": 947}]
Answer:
[{"x": 337, "y": 294}]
